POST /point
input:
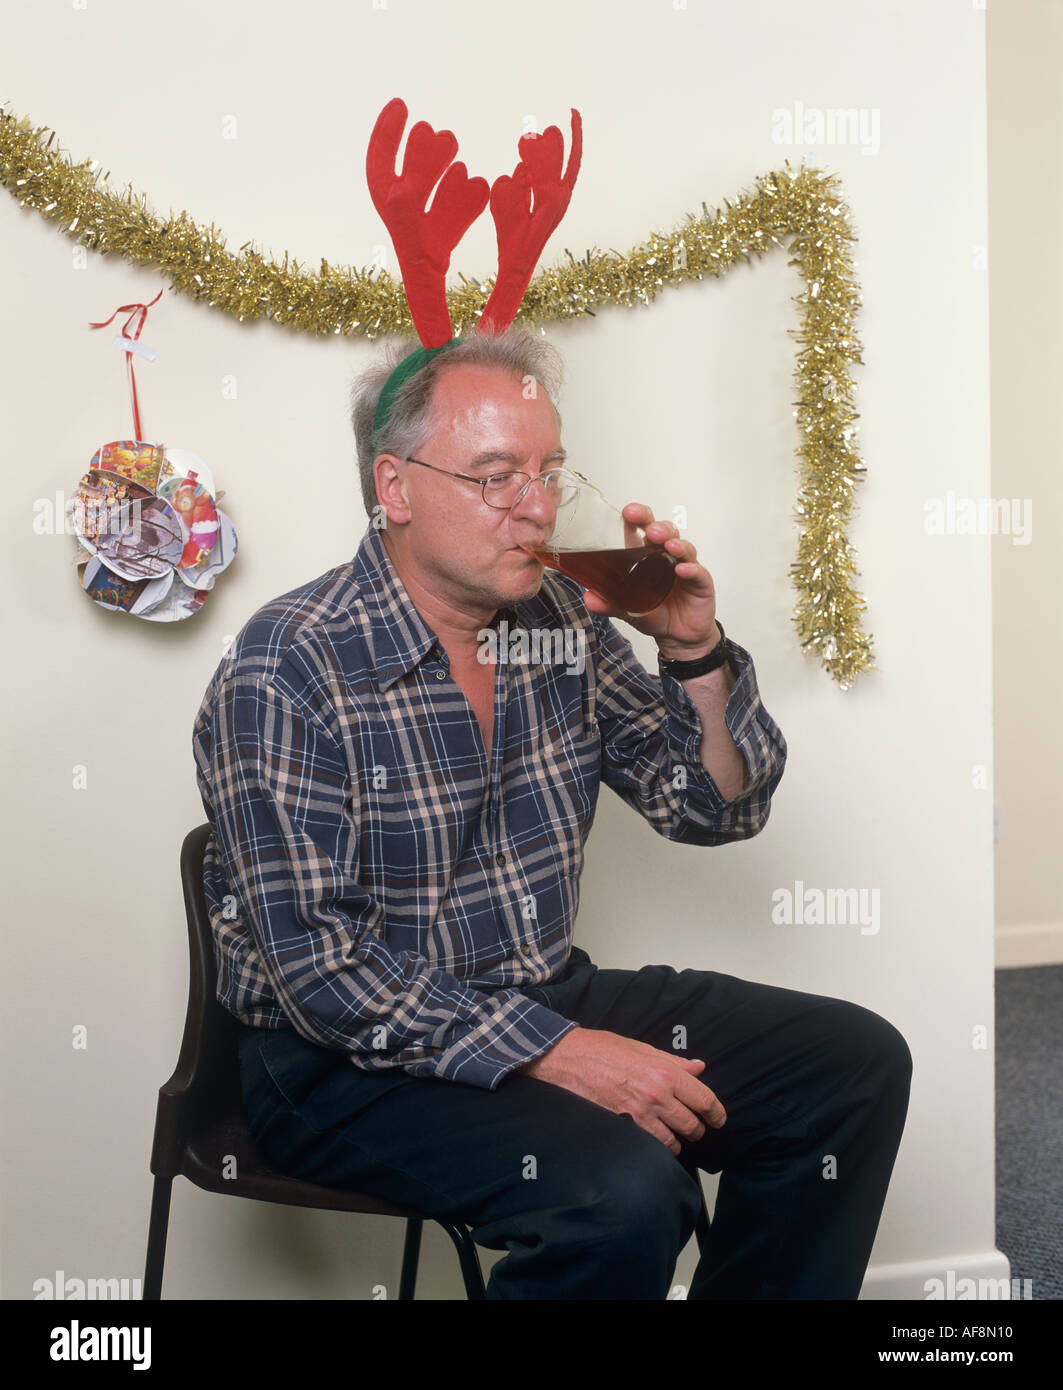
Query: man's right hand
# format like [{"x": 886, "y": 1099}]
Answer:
[{"x": 659, "y": 1090}]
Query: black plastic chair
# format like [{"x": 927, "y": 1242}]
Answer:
[{"x": 200, "y": 1118}]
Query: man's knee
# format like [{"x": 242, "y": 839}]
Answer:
[
  {"x": 640, "y": 1191},
  {"x": 613, "y": 1176},
  {"x": 868, "y": 1044},
  {"x": 610, "y": 1227}
]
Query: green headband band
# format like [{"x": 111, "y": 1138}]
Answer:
[{"x": 398, "y": 378}]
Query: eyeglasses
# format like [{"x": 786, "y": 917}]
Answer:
[{"x": 505, "y": 490}]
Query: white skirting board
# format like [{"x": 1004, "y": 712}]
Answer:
[
  {"x": 1036, "y": 943},
  {"x": 968, "y": 1278}
]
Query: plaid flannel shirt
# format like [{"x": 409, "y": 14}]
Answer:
[{"x": 372, "y": 879}]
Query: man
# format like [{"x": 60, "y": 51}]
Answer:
[{"x": 394, "y": 872}]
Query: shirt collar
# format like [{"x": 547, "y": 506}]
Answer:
[{"x": 399, "y": 637}]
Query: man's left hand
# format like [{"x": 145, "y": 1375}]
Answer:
[{"x": 684, "y": 625}]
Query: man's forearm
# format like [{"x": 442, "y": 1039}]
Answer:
[
  {"x": 709, "y": 695},
  {"x": 719, "y": 754}
]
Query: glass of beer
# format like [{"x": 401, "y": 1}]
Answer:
[{"x": 588, "y": 539}]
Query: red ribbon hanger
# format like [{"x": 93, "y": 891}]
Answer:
[{"x": 136, "y": 311}]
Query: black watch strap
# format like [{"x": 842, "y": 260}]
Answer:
[{"x": 711, "y": 661}]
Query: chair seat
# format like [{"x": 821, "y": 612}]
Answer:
[{"x": 207, "y": 1156}]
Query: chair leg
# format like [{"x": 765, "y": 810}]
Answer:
[
  {"x": 410, "y": 1254},
  {"x": 470, "y": 1264},
  {"x": 157, "y": 1226}
]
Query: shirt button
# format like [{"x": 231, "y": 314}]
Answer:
[
  {"x": 500, "y": 859},
  {"x": 526, "y": 950},
  {"x": 441, "y": 675}
]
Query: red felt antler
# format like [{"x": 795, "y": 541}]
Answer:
[
  {"x": 523, "y": 229},
  {"x": 423, "y": 239}
]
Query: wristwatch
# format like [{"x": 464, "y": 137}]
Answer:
[{"x": 684, "y": 670}]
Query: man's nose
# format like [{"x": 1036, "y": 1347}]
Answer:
[{"x": 536, "y": 503}]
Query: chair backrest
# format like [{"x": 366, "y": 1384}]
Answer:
[{"x": 206, "y": 1082}]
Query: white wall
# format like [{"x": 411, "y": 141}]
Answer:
[
  {"x": 1025, "y": 91},
  {"x": 686, "y": 402}
]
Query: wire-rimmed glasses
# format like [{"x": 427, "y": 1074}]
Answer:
[{"x": 505, "y": 490}]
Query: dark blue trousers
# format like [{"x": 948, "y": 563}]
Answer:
[{"x": 588, "y": 1204}]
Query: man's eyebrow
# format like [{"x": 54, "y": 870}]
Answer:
[{"x": 492, "y": 456}]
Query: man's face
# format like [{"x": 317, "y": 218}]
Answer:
[{"x": 465, "y": 551}]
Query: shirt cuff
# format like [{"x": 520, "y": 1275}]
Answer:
[{"x": 516, "y": 1032}]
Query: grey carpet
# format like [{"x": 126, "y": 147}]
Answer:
[{"x": 1029, "y": 1111}]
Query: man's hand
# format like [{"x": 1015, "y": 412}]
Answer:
[
  {"x": 657, "y": 1089},
  {"x": 685, "y": 628},
  {"x": 684, "y": 625}
]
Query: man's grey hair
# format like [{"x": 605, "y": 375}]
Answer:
[{"x": 519, "y": 351}]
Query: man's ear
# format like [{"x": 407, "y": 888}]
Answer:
[{"x": 391, "y": 488}]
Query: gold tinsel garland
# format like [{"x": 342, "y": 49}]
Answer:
[{"x": 807, "y": 206}]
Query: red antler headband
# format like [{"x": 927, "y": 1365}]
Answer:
[{"x": 526, "y": 208}]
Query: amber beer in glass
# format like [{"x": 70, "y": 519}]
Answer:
[{"x": 590, "y": 541}]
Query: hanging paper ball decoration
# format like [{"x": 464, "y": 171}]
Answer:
[{"x": 156, "y": 540}]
